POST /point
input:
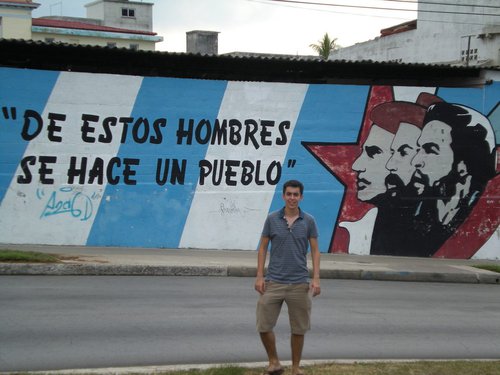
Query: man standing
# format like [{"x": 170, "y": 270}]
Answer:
[{"x": 291, "y": 231}]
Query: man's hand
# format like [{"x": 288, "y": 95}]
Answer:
[
  {"x": 315, "y": 255},
  {"x": 315, "y": 287},
  {"x": 260, "y": 284}
]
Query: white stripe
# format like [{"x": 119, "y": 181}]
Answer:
[
  {"x": 28, "y": 213},
  {"x": 410, "y": 94},
  {"x": 227, "y": 217},
  {"x": 490, "y": 249}
]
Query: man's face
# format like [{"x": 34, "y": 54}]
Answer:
[
  {"x": 370, "y": 165},
  {"x": 292, "y": 197},
  {"x": 434, "y": 159},
  {"x": 403, "y": 149}
]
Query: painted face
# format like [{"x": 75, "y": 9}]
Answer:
[
  {"x": 434, "y": 159},
  {"x": 403, "y": 149},
  {"x": 370, "y": 165},
  {"x": 292, "y": 197}
]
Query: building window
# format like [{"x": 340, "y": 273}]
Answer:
[
  {"x": 111, "y": 45},
  {"x": 473, "y": 55},
  {"x": 49, "y": 40},
  {"x": 128, "y": 12},
  {"x": 134, "y": 46}
]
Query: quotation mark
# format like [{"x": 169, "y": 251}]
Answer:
[
  {"x": 291, "y": 163},
  {"x": 12, "y": 114}
]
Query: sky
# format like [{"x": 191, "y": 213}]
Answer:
[{"x": 261, "y": 26}]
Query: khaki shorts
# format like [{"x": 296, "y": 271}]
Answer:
[{"x": 299, "y": 303}]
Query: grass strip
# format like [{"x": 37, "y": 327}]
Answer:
[
  {"x": 489, "y": 267},
  {"x": 15, "y": 256},
  {"x": 369, "y": 368}
]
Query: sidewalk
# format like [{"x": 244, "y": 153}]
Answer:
[{"x": 93, "y": 261}]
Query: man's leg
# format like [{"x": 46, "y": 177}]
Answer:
[
  {"x": 297, "y": 342},
  {"x": 269, "y": 341},
  {"x": 299, "y": 310},
  {"x": 268, "y": 310}
]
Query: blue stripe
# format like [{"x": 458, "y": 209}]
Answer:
[
  {"x": 482, "y": 99},
  {"x": 148, "y": 214},
  {"x": 329, "y": 114},
  {"x": 21, "y": 89}
]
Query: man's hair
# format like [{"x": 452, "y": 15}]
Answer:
[
  {"x": 389, "y": 115},
  {"x": 294, "y": 184},
  {"x": 471, "y": 143}
]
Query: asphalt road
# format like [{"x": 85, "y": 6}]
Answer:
[{"x": 49, "y": 323}]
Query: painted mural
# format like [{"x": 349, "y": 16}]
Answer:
[{"x": 109, "y": 160}]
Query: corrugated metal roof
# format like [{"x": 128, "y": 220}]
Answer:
[{"x": 57, "y": 56}]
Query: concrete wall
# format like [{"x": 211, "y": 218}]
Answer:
[
  {"x": 94, "y": 38},
  {"x": 443, "y": 32},
  {"x": 415, "y": 47},
  {"x": 109, "y": 160},
  {"x": 111, "y": 13},
  {"x": 15, "y": 23},
  {"x": 203, "y": 42}
]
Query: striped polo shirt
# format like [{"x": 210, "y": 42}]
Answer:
[{"x": 289, "y": 246}]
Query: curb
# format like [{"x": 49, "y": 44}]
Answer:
[
  {"x": 147, "y": 370},
  {"x": 108, "y": 270},
  {"x": 11, "y": 269}
]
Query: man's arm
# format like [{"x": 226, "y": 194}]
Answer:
[
  {"x": 315, "y": 255},
  {"x": 260, "y": 284}
]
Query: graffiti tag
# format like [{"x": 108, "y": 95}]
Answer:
[
  {"x": 67, "y": 201},
  {"x": 229, "y": 209}
]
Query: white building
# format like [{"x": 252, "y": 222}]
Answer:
[
  {"x": 111, "y": 23},
  {"x": 15, "y": 19},
  {"x": 446, "y": 32},
  {"x": 134, "y": 15}
]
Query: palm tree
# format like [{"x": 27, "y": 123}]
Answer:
[{"x": 325, "y": 46}]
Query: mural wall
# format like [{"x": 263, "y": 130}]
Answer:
[{"x": 108, "y": 160}]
